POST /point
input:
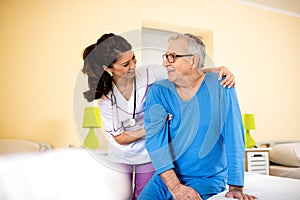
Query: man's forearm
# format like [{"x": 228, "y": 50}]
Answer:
[{"x": 170, "y": 179}]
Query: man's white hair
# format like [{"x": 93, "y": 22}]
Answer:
[{"x": 195, "y": 46}]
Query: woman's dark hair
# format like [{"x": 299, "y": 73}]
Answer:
[{"x": 104, "y": 52}]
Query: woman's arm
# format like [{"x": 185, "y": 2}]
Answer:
[
  {"x": 127, "y": 137},
  {"x": 229, "y": 80},
  {"x": 121, "y": 136}
]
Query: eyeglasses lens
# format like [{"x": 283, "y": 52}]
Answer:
[{"x": 169, "y": 57}]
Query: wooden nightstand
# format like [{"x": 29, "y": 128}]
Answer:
[{"x": 257, "y": 160}]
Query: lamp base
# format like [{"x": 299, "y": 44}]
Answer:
[
  {"x": 249, "y": 142},
  {"x": 91, "y": 140}
]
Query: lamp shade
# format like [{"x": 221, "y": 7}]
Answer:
[
  {"x": 248, "y": 121},
  {"x": 91, "y": 118}
]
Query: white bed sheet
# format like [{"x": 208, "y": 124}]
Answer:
[
  {"x": 64, "y": 174},
  {"x": 268, "y": 188},
  {"x": 73, "y": 174}
]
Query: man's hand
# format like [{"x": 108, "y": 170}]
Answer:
[
  {"x": 237, "y": 193},
  {"x": 178, "y": 190},
  {"x": 182, "y": 192}
]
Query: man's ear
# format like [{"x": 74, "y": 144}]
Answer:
[{"x": 195, "y": 60}]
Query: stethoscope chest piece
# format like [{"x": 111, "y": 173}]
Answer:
[{"x": 132, "y": 122}]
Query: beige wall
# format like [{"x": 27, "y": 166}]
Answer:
[{"x": 42, "y": 42}]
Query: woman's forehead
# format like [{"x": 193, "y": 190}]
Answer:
[{"x": 125, "y": 56}]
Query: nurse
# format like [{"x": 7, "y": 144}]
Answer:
[{"x": 120, "y": 88}]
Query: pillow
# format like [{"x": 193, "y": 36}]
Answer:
[
  {"x": 286, "y": 154},
  {"x": 8, "y": 146}
]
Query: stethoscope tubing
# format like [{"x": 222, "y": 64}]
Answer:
[{"x": 114, "y": 102}]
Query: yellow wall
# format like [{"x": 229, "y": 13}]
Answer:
[{"x": 42, "y": 42}]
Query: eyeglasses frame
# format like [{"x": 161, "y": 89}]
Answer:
[{"x": 174, "y": 55}]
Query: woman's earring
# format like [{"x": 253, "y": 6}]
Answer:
[{"x": 107, "y": 70}]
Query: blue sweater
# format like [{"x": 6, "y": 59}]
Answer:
[{"x": 205, "y": 141}]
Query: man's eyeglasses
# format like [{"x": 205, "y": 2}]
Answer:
[{"x": 172, "y": 57}]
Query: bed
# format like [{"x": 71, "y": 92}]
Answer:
[
  {"x": 61, "y": 174},
  {"x": 284, "y": 157},
  {"x": 76, "y": 174},
  {"x": 268, "y": 187},
  {"x": 12, "y": 146}
]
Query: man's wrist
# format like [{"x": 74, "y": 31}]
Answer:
[
  {"x": 170, "y": 179},
  {"x": 173, "y": 187},
  {"x": 235, "y": 188}
]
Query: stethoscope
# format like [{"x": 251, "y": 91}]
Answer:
[{"x": 115, "y": 115}]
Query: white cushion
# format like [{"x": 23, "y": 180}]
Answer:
[
  {"x": 286, "y": 154},
  {"x": 8, "y": 146}
]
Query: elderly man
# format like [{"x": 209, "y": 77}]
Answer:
[{"x": 201, "y": 148}]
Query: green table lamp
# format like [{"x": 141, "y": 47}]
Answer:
[
  {"x": 249, "y": 124},
  {"x": 91, "y": 120}
]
